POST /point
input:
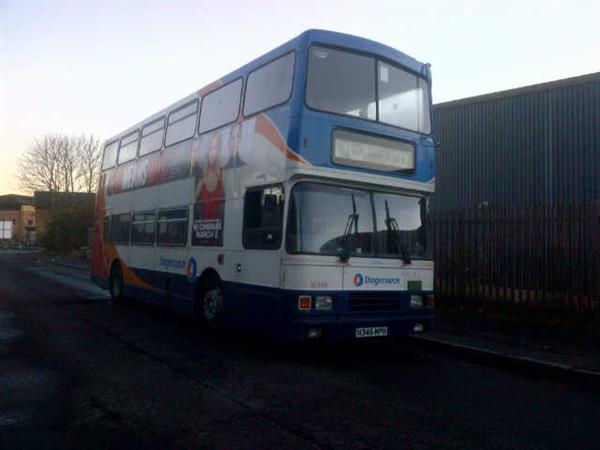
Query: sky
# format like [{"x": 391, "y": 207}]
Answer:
[{"x": 101, "y": 66}]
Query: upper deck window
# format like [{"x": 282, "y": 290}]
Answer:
[
  {"x": 341, "y": 82},
  {"x": 128, "y": 148},
  {"x": 152, "y": 136},
  {"x": 110, "y": 155},
  {"x": 345, "y": 83},
  {"x": 220, "y": 107},
  {"x": 270, "y": 85},
  {"x": 181, "y": 123},
  {"x": 403, "y": 99}
]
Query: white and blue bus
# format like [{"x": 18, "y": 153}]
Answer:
[{"x": 289, "y": 198}]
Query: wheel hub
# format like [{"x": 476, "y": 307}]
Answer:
[
  {"x": 116, "y": 287},
  {"x": 213, "y": 303}
]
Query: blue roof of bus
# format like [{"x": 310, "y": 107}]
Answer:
[
  {"x": 333, "y": 38},
  {"x": 363, "y": 45},
  {"x": 303, "y": 40}
]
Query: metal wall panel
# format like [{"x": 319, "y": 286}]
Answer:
[
  {"x": 517, "y": 205},
  {"x": 533, "y": 146}
]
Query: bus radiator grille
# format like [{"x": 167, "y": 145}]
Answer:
[{"x": 370, "y": 301}]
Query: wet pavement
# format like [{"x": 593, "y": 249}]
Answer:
[{"x": 78, "y": 372}]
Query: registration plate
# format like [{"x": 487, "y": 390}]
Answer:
[{"x": 371, "y": 332}]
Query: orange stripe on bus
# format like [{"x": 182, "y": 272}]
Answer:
[
  {"x": 129, "y": 277},
  {"x": 268, "y": 129},
  {"x": 209, "y": 88}
]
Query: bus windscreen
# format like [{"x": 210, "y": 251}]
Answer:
[{"x": 385, "y": 225}]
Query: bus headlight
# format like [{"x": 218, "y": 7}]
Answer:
[
  {"x": 323, "y": 303},
  {"x": 416, "y": 301}
]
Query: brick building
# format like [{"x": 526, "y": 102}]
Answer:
[
  {"x": 24, "y": 218},
  {"x": 18, "y": 218}
]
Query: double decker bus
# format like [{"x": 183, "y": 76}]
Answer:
[{"x": 289, "y": 198}]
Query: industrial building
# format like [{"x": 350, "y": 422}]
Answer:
[
  {"x": 516, "y": 212},
  {"x": 531, "y": 146}
]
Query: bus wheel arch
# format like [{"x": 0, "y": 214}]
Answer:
[{"x": 209, "y": 299}]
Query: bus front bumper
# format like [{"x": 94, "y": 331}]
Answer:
[{"x": 348, "y": 327}]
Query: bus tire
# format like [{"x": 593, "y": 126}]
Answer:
[
  {"x": 115, "y": 283},
  {"x": 210, "y": 302}
]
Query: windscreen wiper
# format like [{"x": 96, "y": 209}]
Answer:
[
  {"x": 392, "y": 225},
  {"x": 344, "y": 253}
]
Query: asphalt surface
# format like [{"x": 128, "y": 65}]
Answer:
[{"x": 78, "y": 372}]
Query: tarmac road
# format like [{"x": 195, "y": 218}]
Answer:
[{"x": 78, "y": 372}]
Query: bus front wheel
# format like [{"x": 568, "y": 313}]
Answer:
[
  {"x": 210, "y": 302},
  {"x": 115, "y": 283}
]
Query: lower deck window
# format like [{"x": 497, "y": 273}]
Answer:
[
  {"x": 143, "y": 228},
  {"x": 119, "y": 228},
  {"x": 172, "y": 227}
]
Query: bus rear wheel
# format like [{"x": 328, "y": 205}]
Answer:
[
  {"x": 115, "y": 283},
  {"x": 210, "y": 302}
]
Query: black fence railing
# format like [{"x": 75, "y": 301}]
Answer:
[{"x": 546, "y": 258}]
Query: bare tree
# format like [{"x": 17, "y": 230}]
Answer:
[
  {"x": 67, "y": 162},
  {"x": 38, "y": 167},
  {"x": 60, "y": 163},
  {"x": 88, "y": 162}
]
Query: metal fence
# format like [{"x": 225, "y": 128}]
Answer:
[{"x": 544, "y": 258}]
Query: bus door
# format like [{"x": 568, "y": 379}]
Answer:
[
  {"x": 258, "y": 275},
  {"x": 259, "y": 270}
]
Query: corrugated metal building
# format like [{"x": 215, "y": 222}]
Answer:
[
  {"x": 516, "y": 214},
  {"x": 532, "y": 146}
]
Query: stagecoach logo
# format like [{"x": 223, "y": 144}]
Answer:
[
  {"x": 192, "y": 269},
  {"x": 358, "y": 280},
  {"x": 171, "y": 263},
  {"x": 368, "y": 280}
]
